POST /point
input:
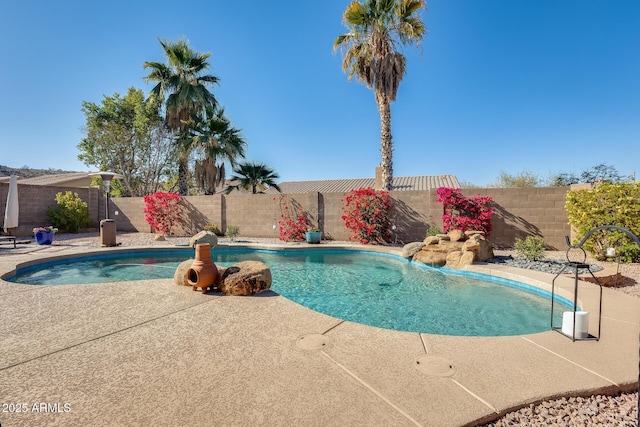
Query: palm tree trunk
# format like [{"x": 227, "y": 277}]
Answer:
[
  {"x": 386, "y": 143},
  {"x": 183, "y": 175}
]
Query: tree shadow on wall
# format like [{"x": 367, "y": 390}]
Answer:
[
  {"x": 192, "y": 221},
  {"x": 411, "y": 226},
  {"x": 510, "y": 227}
]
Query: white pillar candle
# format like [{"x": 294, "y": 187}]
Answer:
[{"x": 582, "y": 324}]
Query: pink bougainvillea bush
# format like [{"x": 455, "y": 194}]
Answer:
[
  {"x": 293, "y": 222},
  {"x": 465, "y": 213},
  {"x": 367, "y": 213},
  {"x": 162, "y": 210}
]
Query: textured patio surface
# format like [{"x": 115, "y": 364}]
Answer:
[{"x": 153, "y": 353}]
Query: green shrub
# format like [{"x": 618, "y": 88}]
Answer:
[
  {"x": 607, "y": 204},
  {"x": 233, "y": 232},
  {"x": 532, "y": 248},
  {"x": 214, "y": 229},
  {"x": 432, "y": 231},
  {"x": 70, "y": 212}
]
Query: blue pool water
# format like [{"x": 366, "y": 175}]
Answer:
[{"x": 369, "y": 288}]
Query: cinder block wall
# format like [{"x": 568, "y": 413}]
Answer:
[
  {"x": 196, "y": 212},
  {"x": 34, "y": 200},
  {"x": 522, "y": 212},
  {"x": 414, "y": 213},
  {"x": 333, "y": 225},
  {"x": 255, "y": 214},
  {"x": 519, "y": 212}
]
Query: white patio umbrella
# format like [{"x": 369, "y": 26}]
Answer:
[{"x": 12, "y": 210}]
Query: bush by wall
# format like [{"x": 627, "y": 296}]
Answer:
[
  {"x": 294, "y": 220},
  {"x": 607, "y": 204},
  {"x": 70, "y": 212},
  {"x": 162, "y": 210},
  {"x": 532, "y": 248},
  {"x": 367, "y": 213},
  {"x": 465, "y": 213}
]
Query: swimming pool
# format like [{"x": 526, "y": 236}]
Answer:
[{"x": 371, "y": 288}]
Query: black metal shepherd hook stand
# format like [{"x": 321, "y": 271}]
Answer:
[
  {"x": 583, "y": 333},
  {"x": 637, "y": 240}
]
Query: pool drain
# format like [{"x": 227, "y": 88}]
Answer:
[
  {"x": 435, "y": 366},
  {"x": 312, "y": 341}
]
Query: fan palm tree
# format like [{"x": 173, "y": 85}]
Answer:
[
  {"x": 184, "y": 87},
  {"x": 254, "y": 177},
  {"x": 370, "y": 52},
  {"x": 218, "y": 141}
]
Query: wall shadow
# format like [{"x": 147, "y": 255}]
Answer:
[
  {"x": 192, "y": 221},
  {"x": 411, "y": 225},
  {"x": 123, "y": 222},
  {"x": 510, "y": 227}
]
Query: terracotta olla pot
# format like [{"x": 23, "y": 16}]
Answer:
[{"x": 203, "y": 273}]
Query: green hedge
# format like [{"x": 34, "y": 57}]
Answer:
[{"x": 607, "y": 204}]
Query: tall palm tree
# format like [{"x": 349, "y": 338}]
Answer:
[
  {"x": 218, "y": 141},
  {"x": 370, "y": 52},
  {"x": 184, "y": 87},
  {"x": 254, "y": 177}
]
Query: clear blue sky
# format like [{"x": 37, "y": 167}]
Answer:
[{"x": 501, "y": 85}]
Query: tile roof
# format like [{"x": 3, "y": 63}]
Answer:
[{"x": 345, "y": 185}]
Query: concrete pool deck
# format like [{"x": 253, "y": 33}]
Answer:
[{"x": 153, "y": 353}]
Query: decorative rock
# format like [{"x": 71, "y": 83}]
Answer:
[
  {"x": 471, "y": 245},
  {"x": 467, "y": 250},
  {"x": 159, "y": 238},
  {"x": 456, "y": 235},
  {"x": 470, "y": 233},
  {"x": 433, "y": 258},
  {"x": 246, "y": 278},
  {"x": 467, "y": 258},
  {"x": 221, "y": 271},
  {"x": 459, "y": 259},
  {"x": 204, "y": 237},
  {"x": 410, "y": 249},
  {"x": 180, "y": 276},
  {"x": 453, "y": 259},
  {"x": 432, "y": 240},
  {"x": 485, "y": 252}
]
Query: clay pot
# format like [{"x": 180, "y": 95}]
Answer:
[{"x": 203, "y": 273}]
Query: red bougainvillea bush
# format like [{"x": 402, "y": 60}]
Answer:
[
  {"x": 162, "y": 210},
  {"x": 293, "y": 222},
  {"x": 465, "y": 213},
  {"x": 367, "y": 213}
]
